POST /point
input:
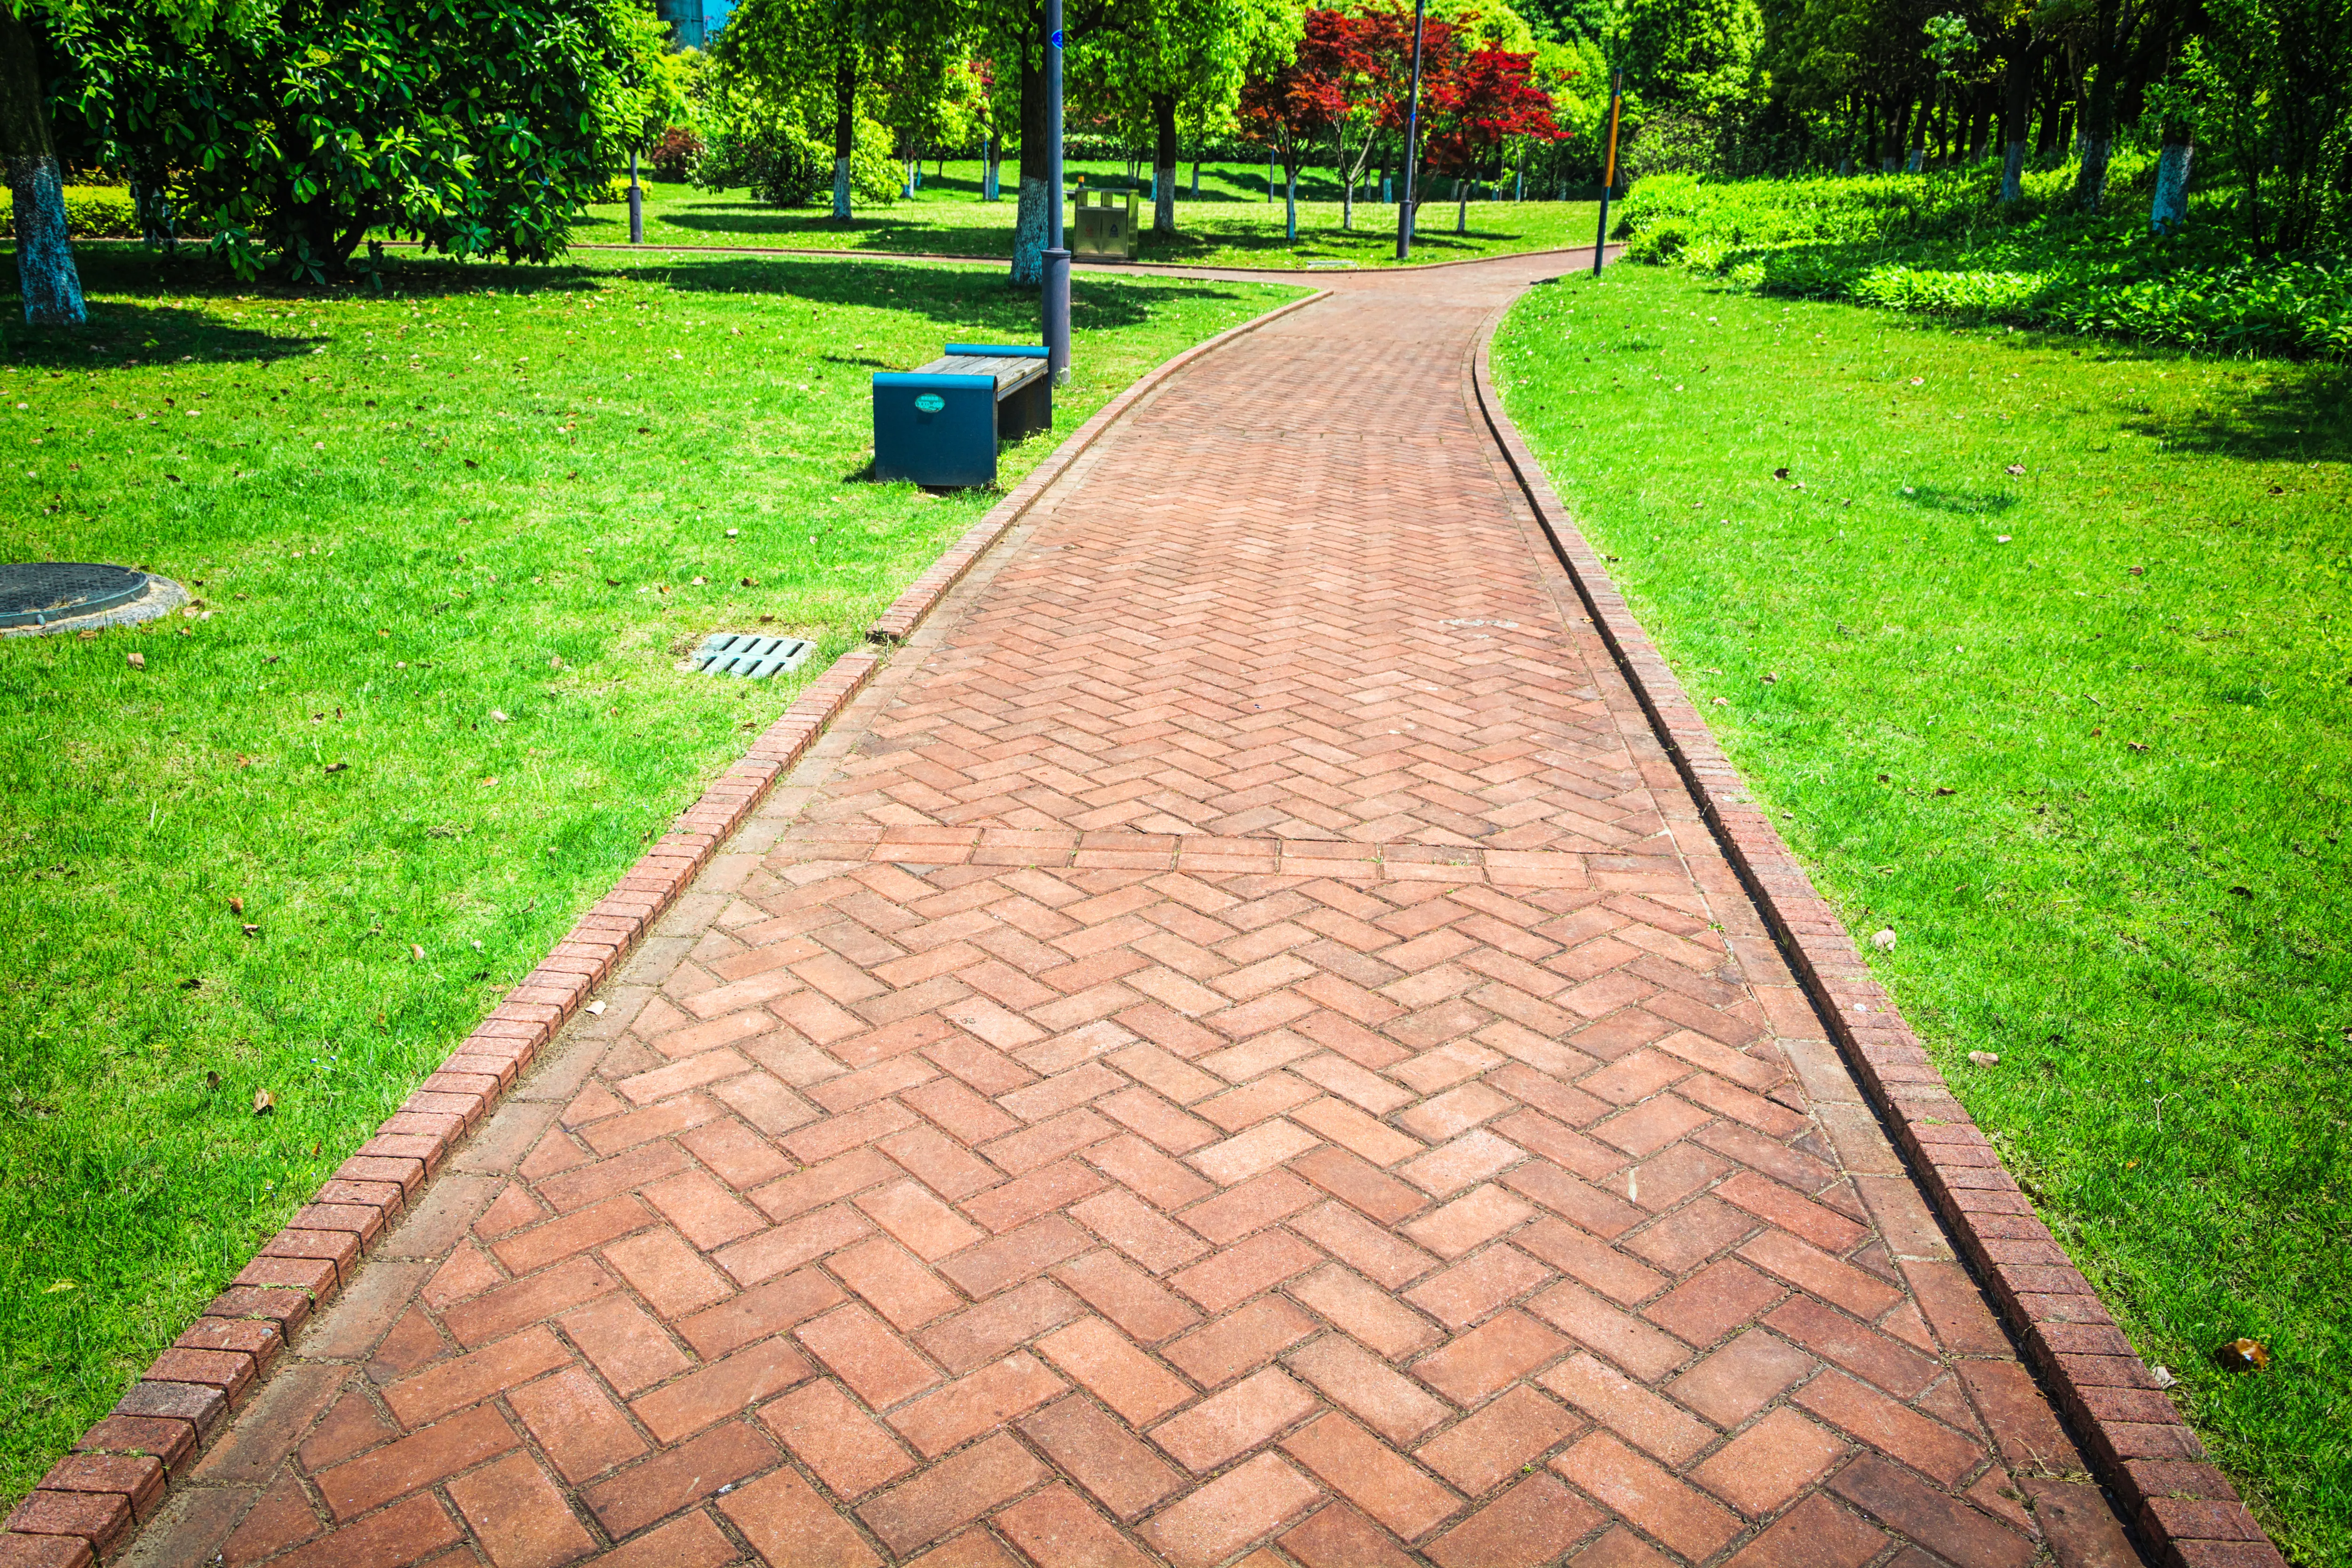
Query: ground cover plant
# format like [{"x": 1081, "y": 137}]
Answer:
[
  {"x": 446, "y": 546},
  {"x": 2038, "y": 649},
  {"x": 1937, "y": 245},
  {"x": 1232, "y": 223}
]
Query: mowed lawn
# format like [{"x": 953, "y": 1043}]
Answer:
[
  {"x": 1231, "y": 224},
  {"x": 2041, "y": 653},
  {"x": 451, "y": 540}
]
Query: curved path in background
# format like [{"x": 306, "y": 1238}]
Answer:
[{"x": 1237, "y": 1045}]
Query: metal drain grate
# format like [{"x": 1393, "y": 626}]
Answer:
[
  {"x": 752, "y": 658},
  {"x": 36, "y": 593}
]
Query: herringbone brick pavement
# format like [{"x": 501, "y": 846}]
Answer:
[{"x": 1242, "y": 1050}]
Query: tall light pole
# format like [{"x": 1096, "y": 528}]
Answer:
[
  {"x": 1609, "y": 169},
  {"x": 1412, "y": 137},
  {"x": 1057, "y": 255},
  {"x": 636, "y": 203}
]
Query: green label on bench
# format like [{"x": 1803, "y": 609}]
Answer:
[{"x": 930, "y": 402}]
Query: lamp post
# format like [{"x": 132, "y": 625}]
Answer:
[
  {"x": 636, "y": 203},
  {"x": 1057, "y": 255},
  {"x": 1412, "y": 137},
  {"x": 1609, "y": 169}
]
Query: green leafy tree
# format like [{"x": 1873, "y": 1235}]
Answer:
[
  {"x": 302, "y": 129},
  {"x": 1698, "y": 55},
  {"x": 832, "y": 55},
  {"x": 48, "y": 281},
  {"x": 1173, "y": 60},
  {"x": 2274, "y": 78}
]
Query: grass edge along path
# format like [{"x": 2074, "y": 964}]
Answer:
[
  {"x": 89, "y": 1296},
  {"x": 2034, "y": 651}
]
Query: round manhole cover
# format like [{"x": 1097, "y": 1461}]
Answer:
[{"x": 35, "y": 593}]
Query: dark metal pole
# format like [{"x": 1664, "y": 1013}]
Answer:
[
  {"x": 1411, "y": 136},
  {"x": 1609, "y": 169},
  {"x": 636, "y": 203},
  {"x": 1057, "y": 255}
]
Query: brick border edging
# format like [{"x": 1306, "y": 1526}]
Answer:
[
  {"x": 2186, "y": 1511},
  {"x": 87, "y": 1507},
  {"x": 907, "y": 612}
]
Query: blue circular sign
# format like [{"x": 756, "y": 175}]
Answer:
[{"x": 930, "y": 402}]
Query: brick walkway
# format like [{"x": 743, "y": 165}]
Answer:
[{"x": 1236, "y": 1043}]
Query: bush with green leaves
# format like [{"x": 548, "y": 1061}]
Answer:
[
  {"x": 1936, "y": 244},
  {"x": 308, "y": 126},
  {"x": 774, "y": 154},
  {"x": 92, "y": 211}
]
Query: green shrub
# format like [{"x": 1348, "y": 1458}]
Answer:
[
  {"x": 1936, "y": 244},
  {"x": 92, "y": 211}
]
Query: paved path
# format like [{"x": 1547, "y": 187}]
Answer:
[{"x": 1236, "y": 1043}]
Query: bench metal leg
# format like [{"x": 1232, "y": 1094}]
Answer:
[{"x": 1026, "y": 412}]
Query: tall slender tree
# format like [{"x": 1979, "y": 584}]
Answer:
[{"x": 837, "y": 49}]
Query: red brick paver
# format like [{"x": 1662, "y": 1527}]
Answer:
[{"x": 1237, "y": 1045}]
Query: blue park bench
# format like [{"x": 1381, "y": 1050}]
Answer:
[{"x": 939, "y": 423}]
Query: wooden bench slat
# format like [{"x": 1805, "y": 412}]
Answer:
[{"x": 1009, "y": 373}]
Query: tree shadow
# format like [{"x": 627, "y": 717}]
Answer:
[
  {"x": 977, "y": 302},
  {"x": 2296, "y": 413},
  {"x": 1965, "y": 502},
  {"x": 968, "y": 303}
]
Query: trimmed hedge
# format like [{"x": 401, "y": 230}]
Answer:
[
  {"x": 1935, "y": 244},
  {"x": 92, "y": 211}
]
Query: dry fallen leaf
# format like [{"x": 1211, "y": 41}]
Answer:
[
  {"x": 136, "y": 661},
  {"x": 236, "y": 905},
  {"x": 1985, "y": 1058},
  {"x": 416, "y": 952},
  {"x": 2244, "y": 1355},
  {"x": 252, "y": 931},
  {"x": 337, "y": 767},
  {"x": 2016, "y": 468},
  {"x": 1883, "y": 939},
  {"x": 264, "y": 1102},
  {"x": 596, "y": 1008}
]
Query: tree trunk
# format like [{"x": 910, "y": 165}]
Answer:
[
  {"x": 2098, "y": 111},
  {"x": 2017, "y": 104},
  {"x": 1163, "y": 164},
  {"x": 2170, "y": 208},
  {"x": 844, "y": 124},
  {"x": 1290, "y": 201},
  {"x": 45, "y": 258},
  {"x": 990, "y": 183},
  {"x": 1462, "y": 206},
  {"x": 1196, "y": 179},
  {"x": 1036, "y": 166}
]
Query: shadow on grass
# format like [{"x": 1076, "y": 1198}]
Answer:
[
  {"x": 2300, "y": 414},
  {"x": 968, "y": 304},
  {"x": 872, "y": 234},
  {"x": 980, "y": 305},
  {"x": 1966, "y": 503}
]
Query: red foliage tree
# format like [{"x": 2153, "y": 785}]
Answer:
[
  {"x": 1305, "y": 100},
  {"x": 1484, "y": 98}
]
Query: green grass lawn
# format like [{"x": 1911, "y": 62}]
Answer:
[
  {"x": 1230, "y": 224},
  {"x": 455, "y": 536},
  {"x": 2040, "y": 655}
]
